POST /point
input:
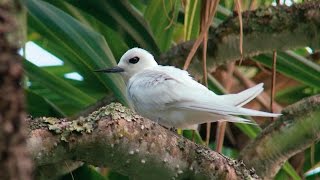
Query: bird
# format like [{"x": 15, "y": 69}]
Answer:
[{"x": 172, "y": 98}]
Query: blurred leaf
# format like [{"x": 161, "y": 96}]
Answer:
[
  {"x": 192, "y": 19},
  {"x": 189, "y": 134},
  {"x": 162, "y": 17},
  {"x": 84, "y": 172},
  {"x": 38, "y": 106},
  {"x": 128, "y": 22},
  {"x": 294, "y": 66},
  {"x": 108, "y": 33},
  {"x": 138, "y": 4},
  {"x": 89, "y": 49},
  {"x": 58, "y": 70},
  {"x": 232, "y": 153},
  {"x": 307, "y": 163},
  {"x": 291, "y": 171},
  {"x": 293, "y": 94},
  {"x": 57, "y": 85},
  {"x": 116, "y": 176},
  {"x": 281, "y": 175}
]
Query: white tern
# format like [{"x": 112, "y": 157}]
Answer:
[{"x": 171, "y": 97}]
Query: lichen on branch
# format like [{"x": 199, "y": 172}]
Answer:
[
  {"x": 264, "y": 30},
  {"x": 116, "y": 137}
]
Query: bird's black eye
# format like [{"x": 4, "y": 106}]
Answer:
[{"x": 134, "y": 60}]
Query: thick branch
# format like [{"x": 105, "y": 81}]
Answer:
[
  {"x": 293, "y": 132},
  {"x": 15, "y": 162},
  {"x": 264, "y": 30},
  {"x": 116, "y": 137}
]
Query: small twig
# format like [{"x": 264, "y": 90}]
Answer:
[
  {"x": 199, "y": 40},
  {"x": 238, "y": 7},
  {"x": 221, "y": 128},
  {"x": 69, "y": 170},
  {"x": 171, "y": 20},
  {"x": 273, "y": 83}
]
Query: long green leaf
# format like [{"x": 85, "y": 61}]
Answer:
[
  {"x": 57, "y": 85},
  {"x": 162, "y": 17},
  {"x": 39, "y": 106},
  {"x": 294, "y": 66},
  {"x": 192, "y": 19},
  {"x": 89, "y": 49},
  {"x": 126, "y": 21},
  {"x": 110, "y": 35}
]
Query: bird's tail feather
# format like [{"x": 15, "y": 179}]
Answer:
[
  {"x": 243, "y": 97},
  {"x": 236, "y": 119},
  {"x": 251, "y": 112}
]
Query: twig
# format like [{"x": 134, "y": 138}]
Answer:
[{"x": 273, "y": 83}]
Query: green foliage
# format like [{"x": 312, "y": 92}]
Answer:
[
  {"x": 162, "y": 21},
  {"x": 84, "y": 172}
]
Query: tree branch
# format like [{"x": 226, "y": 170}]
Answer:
[
  {"x": 293, "y": 132},
  {"x": 264, "y": 30},
  {"x": 116, "y": 137},
  {"x": 15, "y": 162}
]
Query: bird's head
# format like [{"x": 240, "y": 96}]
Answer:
[{"x": 132, "y": 62}]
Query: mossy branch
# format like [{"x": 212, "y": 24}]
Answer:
[
  {"x": 117, "y": 138},
  {"x": 293, "y": 132},
  {"x": 264, "y": 30}
]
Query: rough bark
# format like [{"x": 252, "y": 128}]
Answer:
[
  {"x": 116, "y": 137},
  {"x": 292, "y": 133},
  {"x": 14, "y": 160},
  {"x": 264, "y": 30}
]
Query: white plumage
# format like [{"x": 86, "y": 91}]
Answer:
[{"x": 169, "y": 96}]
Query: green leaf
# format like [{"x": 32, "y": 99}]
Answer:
[
  {"x": 110, "y": 35},
  {"x": 127, "y": 21},
  {"x": 57, "y": 85},
  {"x": 89, "y": 49},
  {"x": 192, "y": 19},
  {"x": 84, "y": 172},
  {"x": 38, "y": 106},
  {"x": 227, "y": 151},
  {"x": 294, "y": 66},
  {"x": 116, "y": 176},
  {"x": 162, "y": 17},
  {"x": 291, "y": 95},
  {"x": 291, "y": 171},
  {"x": 193, "y": 135}
]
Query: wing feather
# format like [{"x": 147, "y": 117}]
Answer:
[{"x": 163, "y": 88}]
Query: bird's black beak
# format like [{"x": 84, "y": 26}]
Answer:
[{"x": 115, "y": 69}]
